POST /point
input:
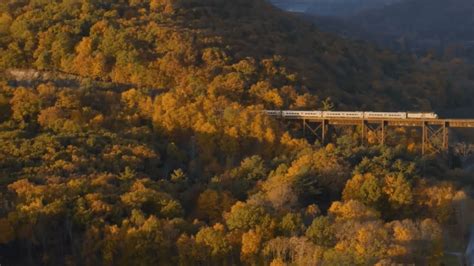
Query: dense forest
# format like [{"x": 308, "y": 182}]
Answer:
[{"x": 131, "y": 134}]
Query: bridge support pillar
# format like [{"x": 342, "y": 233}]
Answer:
[
  {"x": 363, "y": 134},
  {"x": 318, "y": 129},
  {"x": 304, "y": 128},
  {"x": 377, "y": 129},
  {"x": 423, "y": 138},
  {"x": 435, "y": 138},
  {"x": 446, "y": 136},
  {"x": 324, "y": 131},
  {"x": 383, "y": 129}
]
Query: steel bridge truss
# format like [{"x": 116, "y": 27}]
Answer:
[
  {"x": 374, "y": 128},
  {"x": 435, "y": 138},
  {"x": 435, "y": 133},
  {"x": 319, "y": 129}
]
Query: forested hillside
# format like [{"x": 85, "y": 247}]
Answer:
[
  {"x": 156, "y": 153},
  {"x": 164, "y": 44}
]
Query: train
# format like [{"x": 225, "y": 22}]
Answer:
[{"x": 345, "y": 114}]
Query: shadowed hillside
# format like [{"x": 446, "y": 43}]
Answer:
[{"x": 446, "y": 27}]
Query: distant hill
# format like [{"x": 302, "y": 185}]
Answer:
[
  {"x": 339, "y": 8},
  {"x": 293, "y": 5},
  {"x": 343, "y": 8},
  {"x": 418, "y": 25}
]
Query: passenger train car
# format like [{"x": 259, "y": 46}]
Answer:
[{"x": 343, "y": 114}]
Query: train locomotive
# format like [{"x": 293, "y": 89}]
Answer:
[{"x": 345, "y": 114}]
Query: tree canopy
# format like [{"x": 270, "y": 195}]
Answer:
[{"x": 131, "y": 133}]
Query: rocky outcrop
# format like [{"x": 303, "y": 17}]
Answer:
[{"x": 32, "y": 77}]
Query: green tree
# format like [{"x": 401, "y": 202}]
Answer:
[
  {"x": 321, "y": 232},
  {"x": 25, "y": 104},
  {"x": 244, "y": 216}
]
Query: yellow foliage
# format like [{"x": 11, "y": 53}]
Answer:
[
  {"x": 25, "y": 104},
  {"x": 411, "y": 147},
  {"x": 270, "y": 96},
  {"x": 405, "y": 231},
  {"x": 372, "y": 240},
  {"x": 396, "y": 250},
  {"x": 330, "y": 148},
  {"x": 84, "y": 60},
  {"x": 365, "y": 188},
  {"x": 49, "y": 116},
  {"x": 97, "y": 205},
  {"x": 440, "y": 200},
  {"x": 218, "y": 227},
  {"x": 251, "y": 242},
  {"x": 5, "y": 21},
  {"x": 398, "y": 190},
  {"x": 278, "y": 262},
  {"x": 352, "y": 210}
]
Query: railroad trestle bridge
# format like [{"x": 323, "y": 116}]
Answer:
[{"x": 434, "y": 132}]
